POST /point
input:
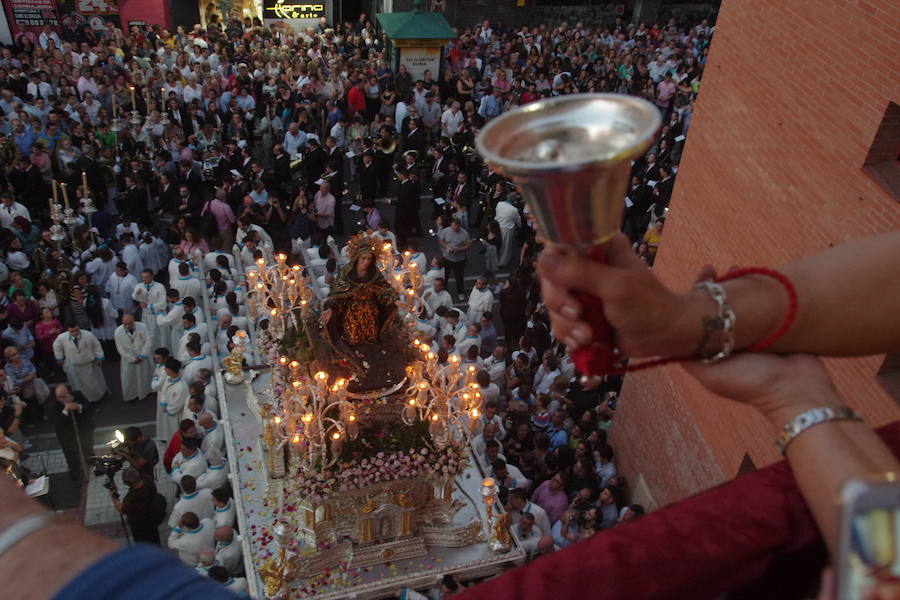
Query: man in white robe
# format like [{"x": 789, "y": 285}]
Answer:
[
  {"x": 172, "y": 398},
  {"x": 481, "y": 300},
  {"x": 120, "y": 287},
  {"x": 509, "y": 219},
  {"x": 189, "y": 325},
  {"x": 186, "y": 283},
  {"x": 216, "y": 474},
  {"x": 228, "y": 550},
  {"x": 214, "y": 433},
  {"x": 191, "y": 535},
  {"x": 189, "y": 461},
  {"x": 133, "y": 344},
  {"x": 151, "y": 295},
  {"x": 80, "y": 354},
  {"x": 169, "y": 321},
  {"x": 196, "y": 361},
  {"x": 131, "y": 255},
  {"x": 438, "y": 296},
  {"x": 197, "y": 501}
]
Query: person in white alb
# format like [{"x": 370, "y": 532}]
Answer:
[
  {"x": 216, "y": 474},
  {"x": 151, "y": 296},
  {"x": 189, "y": 461},
  {"x": 169, "y": 321},
  {"x": 224, "y": 508},
  {"x": 172, "y": 398},
  {"x": 11, "y": 209},
  {"x": 80, "y": 354},
  {"x": 509, "y": 219},
  {"x": 192, "y": 535},
  {"x": 481, "y": 300},
  {"x": 196, "y": 360},
  {"x": 213, "y": 433},
  {"x": 187, "y": 284},
  {"x": 131, "y": 255},
  {"x": 206, "y": 560},
  {"x": 133, "y": 344},
  {"x": 197, "y": 501},
  {"x": 120, "y": 288},
  {"x": 228, "y": 550}
]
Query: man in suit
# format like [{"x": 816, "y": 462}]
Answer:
[
  {"x": 462, "y": 191},
  {"x": 74, "y": 429},
  {"x": 407, "y": 214},
  {"x": 368, "y": 177},
  {"x": 438, "y": 174},
  {"x": 133, "y": 202},
  {"x": 314, "y": 162},
  {"x": 634, "y": 219},
  {"x": 650, "y": 169},
  {"x": 281, "y": 166},
  {"x": 415, "y": 138},
  {"x": 662, "y": 192}
]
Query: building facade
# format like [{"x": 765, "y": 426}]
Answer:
[{"x": 798, "y": 108}]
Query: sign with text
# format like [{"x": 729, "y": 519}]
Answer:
[
  {"x": 419, "y": 59},
  {"x": 296, "y": 13},
  {"x": 34, "y": 13},
  {"x": 93, "y": 12}
]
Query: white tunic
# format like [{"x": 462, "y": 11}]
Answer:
[
  {"x": 435, "y": 299},
  {"x": 173, "y": 268},
  {"x": 181, "y": 352},
  {"x": 131, "y": 256},
  {"x": 200, "y": 503},
  {"x": 225, "y": 516},
  {"x": 214, "y": 478},
  {"x": 152, "y": 298},
  {"x": 159, "y": 376},
  {"x": 135, "y": 375},
  {"x": 194, "y": 465},
  {"x": 230, "y": 555},
  {"x": 120, "y": 290},
  {"x": 107, "y": 329},
  {"x": 509, "y": 219},
  {"x": 154, "y": 255},
  {"x": 189, "y": 543},
  {"x": 172, "y": 398},
  {"x": 188, "y": 286},
  {"x": 100, "y": 271},
  {"x": 80, "y": 363},
  {"x": 194, "y": 364},
  {"x": 214, "y": 438},
  {"x": 171, "y": 322},
  {"x": 210, "y": 259},
  {"x": 480, "y": 301}
]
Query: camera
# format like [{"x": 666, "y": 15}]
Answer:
[{"x": 108, "y": 465}]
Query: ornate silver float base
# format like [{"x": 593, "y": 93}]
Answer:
[{"x": 388, "y": 551}]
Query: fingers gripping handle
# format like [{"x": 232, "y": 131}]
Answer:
[{"x": 598, "y": 358}]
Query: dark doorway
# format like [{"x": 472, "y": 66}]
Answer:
[
  {"x": 349, "y": 10},
  {"x": 184, "y": 12}
]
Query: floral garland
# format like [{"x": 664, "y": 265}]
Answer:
[{"x": 316, "y": 485}]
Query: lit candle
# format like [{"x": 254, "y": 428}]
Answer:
[
  {"x": 133, "y": 103},
  {"x": 55, "y": 192},
  {"x": 65, "y": 195},
  {"x": 52, "y": 209},
  {"x": 114, "y": 104},
  {"x": 85, "y": 183}
]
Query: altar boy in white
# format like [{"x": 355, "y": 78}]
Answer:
[
  {"x": 481, "y": 300},
  {"x": 133, "y": 343},
  {"x": 151, "y": 295},
  {"x": 173, "y": 395},
  {"x": 80, "y": 354}
]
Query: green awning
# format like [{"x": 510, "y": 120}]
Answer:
[{"x": 416, "y": 25}]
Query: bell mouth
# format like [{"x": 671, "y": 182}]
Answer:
[{"x": 569, "y": 133}]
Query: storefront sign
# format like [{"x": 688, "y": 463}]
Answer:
[
  {"x": 296, "y": 13},
  {"x": 93, "y": 12},
  {"x": 34, "y": 13}
]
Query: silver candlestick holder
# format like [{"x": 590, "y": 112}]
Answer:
[
  {"x": 136, "y": 118},
  {"x": 69, "y": 218}
]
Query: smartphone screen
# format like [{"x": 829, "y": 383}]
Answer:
[{"x": 870, "y": 568}]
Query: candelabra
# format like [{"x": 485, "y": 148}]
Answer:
[
  {"x": 277, "y": 290},
  {"x": 314, "y": 415},
  {"x": 404, "y": 276},
  {"x": 443, "y": 396}
]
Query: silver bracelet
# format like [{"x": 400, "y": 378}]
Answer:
[
  {"x": 811, "y": 418},
  {"x": 723, "y": 321},
  {"x": 24, "y": 527}
]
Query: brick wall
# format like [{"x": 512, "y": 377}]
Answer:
[{"x": 791, "y": 100}]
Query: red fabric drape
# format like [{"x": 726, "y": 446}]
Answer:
[{"x": 697, "y": 548}]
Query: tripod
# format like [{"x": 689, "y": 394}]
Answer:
[{"x": 111, "y": 486}]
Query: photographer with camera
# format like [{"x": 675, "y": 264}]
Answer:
[
  {"x": 140, "y": 452},
  {"x": 142, "y": 506}
]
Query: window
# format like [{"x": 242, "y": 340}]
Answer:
[{"x": 883, "y": 161}]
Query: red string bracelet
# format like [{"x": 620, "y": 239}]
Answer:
[{"x": 760, "y": 345}]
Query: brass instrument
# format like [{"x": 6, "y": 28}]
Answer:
[
  {"x": 413, "y": 153},
  {"x": 385, "y": 145}
]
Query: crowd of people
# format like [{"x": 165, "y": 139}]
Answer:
[{"x": 189, "y": 156}]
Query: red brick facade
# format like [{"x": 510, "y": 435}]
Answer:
[{"x": 791, "y": 100}]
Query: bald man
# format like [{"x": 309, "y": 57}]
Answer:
[
  {"x": 228, "y": 550},
  {"x": 133, "y": 341}
]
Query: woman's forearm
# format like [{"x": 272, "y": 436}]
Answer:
[
  {"x": 848, "y": 299},
  {"x": 853, "y": 450}
]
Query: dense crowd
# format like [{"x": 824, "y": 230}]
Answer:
[{"x": 203, "y": 151}]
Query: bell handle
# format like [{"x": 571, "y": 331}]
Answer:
[{"x": 598, "y": 358}]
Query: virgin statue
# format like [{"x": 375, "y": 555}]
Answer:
[{"x": 360, "y": 312}]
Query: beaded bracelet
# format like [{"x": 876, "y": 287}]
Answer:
[{"x": 760, "y": 345}]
